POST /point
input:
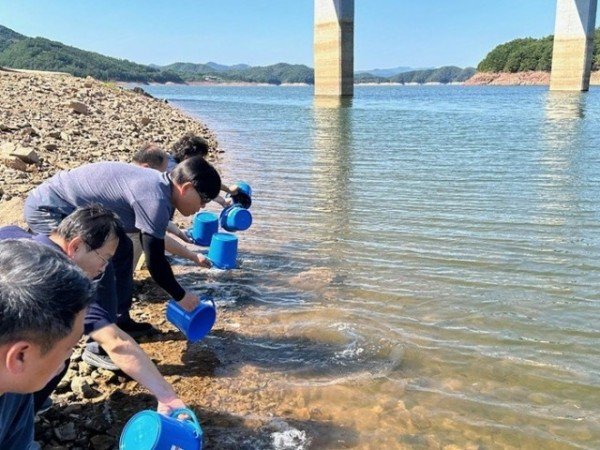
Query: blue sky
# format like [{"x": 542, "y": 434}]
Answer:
[{"x": 388, "y": 33}]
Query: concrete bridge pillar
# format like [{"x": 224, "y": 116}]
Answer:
[
  {"x": 573, "y": 45},
  {"x": 334, "y": 48}
]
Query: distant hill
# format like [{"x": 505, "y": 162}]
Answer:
[
  {"x": 386, "y": 73},
  {"x": 8, "y": 37},
  {"x": 528, "y": 54},
  {"x": 222, "y": 68},
  {"x": 287, "y": 73},
  {"x": 274, "y": 74},
  {"x": 21, "y": 52},
  {"x": 444, "y": 75}
]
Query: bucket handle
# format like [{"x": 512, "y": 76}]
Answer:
[
  {"x": 189, "y": 413},
  {"x": 208, "y": 297}
]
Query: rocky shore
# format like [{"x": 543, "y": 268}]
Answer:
[
  {"x": 51, "y": 122},
  {"x": 517, "y": 79}
]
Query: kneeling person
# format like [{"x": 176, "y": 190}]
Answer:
[{"x": 89, "y": 237}]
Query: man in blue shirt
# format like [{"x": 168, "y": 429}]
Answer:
[
  {"x": 43, "y": 299},
  {"x": 89, "y": 237}
]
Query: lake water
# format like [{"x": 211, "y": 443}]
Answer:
[{"x": 423, "y": 270}]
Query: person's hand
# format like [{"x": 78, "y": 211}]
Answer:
[
  {"x": 233, "y": 189},
  {"x": 228, "y": 202},
  {"x": 167, "y": 407},
  {"x": 189, "y": 302},
  {"x": 202, "y": 261}
]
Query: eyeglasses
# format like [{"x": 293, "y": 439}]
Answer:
[
  {"x": 203, "y": 197},
  {"x": 102, "y": 258}
]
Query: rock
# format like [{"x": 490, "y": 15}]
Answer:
[
  {"x": 51, "y": 147},
  {"x": 66, "y": 432},
  {"x": 15, "y": 163},
  {"x": 102, "y": 442},
  {"x": 89, "y": 82},
  {"x": 81, "y": 387},
  {"x": 139, "y": 90},
  {"x": 145, "y": 121},
  {"x": 55, "y": 134},
  {"x": 4, "y": 127},
  {"x": 27, "y": 155},
  {"x": 79, "y": 108}
]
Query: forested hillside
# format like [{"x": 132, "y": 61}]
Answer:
[{"x": 521, "y": 55}]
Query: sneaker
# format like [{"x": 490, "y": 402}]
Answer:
[
  {"x": 136, "y": 329},
  {"x": 45, "y": 406},
  {"x": 98, "y": 360}
]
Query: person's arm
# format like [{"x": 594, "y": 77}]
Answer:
[
  {"x": 229, "y": 189},
  {"x": 221, "y": 201},
  {"x": 161, "y": 272},
  {"x": 175, "y": 230},
  {"x": 174, "y": 247},
  {"x": 131, "y": 359}
]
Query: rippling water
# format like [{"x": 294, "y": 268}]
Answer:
[{"x": 424, "y": 264}]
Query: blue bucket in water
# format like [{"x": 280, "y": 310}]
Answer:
[
  {"x": 204, "y": 226},
  {"x": 235, "y": 218},
  {"x": 223, "y": 250},
  {"x": 194, "y": 324},
  {"x": 243, "y": 197},
  {"x": 149, "y": 430}
]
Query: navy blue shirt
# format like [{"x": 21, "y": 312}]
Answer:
[
  {"x": 16, "y": 421},
  {"x": 96, "y": 317}
]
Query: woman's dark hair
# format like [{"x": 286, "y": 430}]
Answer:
[
  {"x": 41, "y": 293},
  {"x": 94, "y": 224},
  {"x": 203, "y": 176},
  {"x": 189, "y": 145},
  {"x": 150, "y": 154}
]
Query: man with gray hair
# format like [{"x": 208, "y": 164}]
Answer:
[{"x": 43, "y": 300}]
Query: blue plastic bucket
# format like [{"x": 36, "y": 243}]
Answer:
[
  {"x": 223, "y": 250},
  {"x": 235, "y": 218},
  {"x": 204, "y": 226},
  {"x": 194, "y": 324},
  {"x": 243, "y": 197},
  {"x": 149, "y": 430}
]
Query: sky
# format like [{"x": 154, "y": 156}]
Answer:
[{"x": 387, "y": 33}]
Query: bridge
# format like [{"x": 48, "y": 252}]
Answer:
[{"x": 334, "y": 46}]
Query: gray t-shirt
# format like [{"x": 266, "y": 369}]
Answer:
[{"x": 141, "y": 197}]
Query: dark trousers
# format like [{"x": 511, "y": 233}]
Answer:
[{"x": 115, "y": 289}]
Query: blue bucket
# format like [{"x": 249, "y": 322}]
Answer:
[
  {"x": 243, "y": 197},
  {"x": 204, "y": 226},
  {"x": 149, "y": 430},
  {"x": 223, "y": 250},
  {"x": 194, "y": 324},
  {"x": 235, "y": 218}
]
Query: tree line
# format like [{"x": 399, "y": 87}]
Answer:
[{"x": 520, "y": 55}]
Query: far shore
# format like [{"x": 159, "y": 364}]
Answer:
[{"x": 479, "y": 79}]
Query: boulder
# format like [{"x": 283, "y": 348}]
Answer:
[
  {"x": 27, "y": 155},
  {"x": 79, "y": 108}
]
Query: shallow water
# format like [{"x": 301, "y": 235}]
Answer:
[{"x": 423, "y": 266}]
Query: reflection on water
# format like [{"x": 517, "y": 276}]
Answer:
[
  {"x": 332, "y": 167},
  {"x": 562, "y": 105},
  {"x": 423, "y": 267}
]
